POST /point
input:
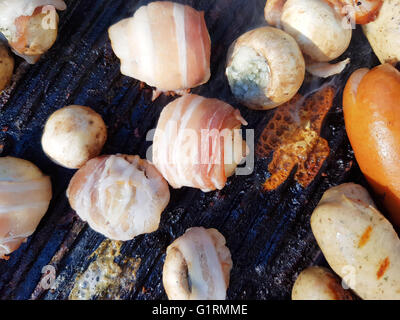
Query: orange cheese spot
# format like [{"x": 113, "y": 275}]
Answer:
[
  {"x": 293, "y": 135},
  {"x": 365, "y": 237},
  {"x": 383, "y": 267}
]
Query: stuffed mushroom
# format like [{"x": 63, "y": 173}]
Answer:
[{"x": 265, "y": 68}]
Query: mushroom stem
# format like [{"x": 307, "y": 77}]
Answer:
[{"x": 326, "y": 69}]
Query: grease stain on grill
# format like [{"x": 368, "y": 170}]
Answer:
[{"x": 105, "y": 279}]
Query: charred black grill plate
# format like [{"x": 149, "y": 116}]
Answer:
[{"x": 268, "y": 234}]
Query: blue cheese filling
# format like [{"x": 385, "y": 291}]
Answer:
[{"x": 249, "y": 76}]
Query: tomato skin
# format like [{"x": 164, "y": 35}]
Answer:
[{"x": 372, "y": 118}]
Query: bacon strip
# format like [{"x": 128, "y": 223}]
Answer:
[
  {"x": 202, "y": 252},
  {"x": 119, "y": 196},
  {"x": 188, "y": 145},
  {"x": 22, "y": 206},
  {"x": 164, "y": 44}
]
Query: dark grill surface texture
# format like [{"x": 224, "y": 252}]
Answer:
[{"x": 268, "y": 234}]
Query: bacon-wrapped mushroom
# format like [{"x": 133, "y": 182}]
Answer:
[
  {"x": 198, "y": 143},
  {"x": 119, "y": 196},
  {"x": 30, "y": 26},
  {"x": 197, "y": 266},
  {"x": 6, "y": 67},
  {"x": 164, "y": 44},
  {"x": 25, "y": 195}
]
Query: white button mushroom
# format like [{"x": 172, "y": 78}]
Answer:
[
  {"x": 265, "y": 68},
  {"x": 73, "y": 135},
  {"x": 197, "y": 266},
  {"x": 119, "y": 196},
  {"x": 25, "y": 194},
  {"x": 322, "y": 31}
]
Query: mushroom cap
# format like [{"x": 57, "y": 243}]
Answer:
[
  {"x": 278, "y": 54},
  {"x": 320, "y": 31},
  {"x": 73, "y": 135}
]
